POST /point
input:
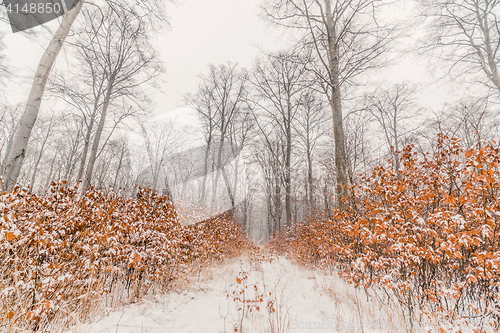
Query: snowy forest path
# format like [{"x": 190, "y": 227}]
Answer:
[{"x": 249, "y": 294}]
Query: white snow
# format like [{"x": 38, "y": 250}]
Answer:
[{"x": 304, "y": 301}]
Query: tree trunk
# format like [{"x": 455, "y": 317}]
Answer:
[
  {"x": 288, "y": 173},
  {"x": 236, "y": 171},
  {"x": 277, "y": 206},
  {"x": 335, "y": 103},
  {"x": 310, "y": 196},
  {"x": 218, "y": 170},
  {"x": 230, "y": 192},
  {"x": 7, "y": 150},
  {"x": 49, "y": 178},
  {"x": 42, "y": 148},
  {"x": 119, "y": 167},
  {"x": 87, "y": 142},
  {"x": 17, "y": 153},
  {"x": 97, "y": 138},
  {"x": 205, "y": 171},
  {"x": 395, "y": 149}
]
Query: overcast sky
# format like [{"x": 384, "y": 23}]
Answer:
[
  {"x": 201, "y": 32},
  {"x": 215, "y": 31}
]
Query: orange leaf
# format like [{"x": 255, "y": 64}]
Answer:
[
  {"x": 10, "y": 236},
  {"x": 10, "y": 315},
  {"x": 468, "y": 153}
]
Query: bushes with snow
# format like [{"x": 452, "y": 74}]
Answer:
[
  {"x": 430, "y": 234},
  {"x": 62, "y": 254}
]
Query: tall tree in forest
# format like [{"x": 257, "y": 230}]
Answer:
[
  {"x": 153, "y": 13},
  {"x": 17, "y": 153},
  {"x": 220, "y": 100},
  {"x": 310, "y": 128},
  {"x": 115, "y": 46},
  {"x": 280, "y": 84},
  {"x": 346, "y": 39}
]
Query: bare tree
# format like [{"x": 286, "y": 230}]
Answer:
[
  {"x": 466, "y": 33},
  {"x": 83, "y": 92},
  {"x": 17, "y": 153},
  {"x": 46, "y": 128},
  {"x": 72, "y": 134},
  {"x": 279, "y": 83},
  {"x": 311, "y": 128},
  {"x": 240, "y": 135},
  {"x": 115, "y": 46},
  {"x": 268, "y": 156},
  {"x": 359, "y": 144},
  {"x": 9, "y": 122},
  {"x": 162, "y": 141},
  {"x": 220, "y": 101},
  {"x": 471, "y": 120},
  {"x": 203, "y": 103},
  {"x": 391, "y": 108},
  {"x": 346, "y": 40},
  {"x": 152, "y": 12}
]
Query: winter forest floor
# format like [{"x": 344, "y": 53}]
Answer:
[{"x": 253, "y": 293}]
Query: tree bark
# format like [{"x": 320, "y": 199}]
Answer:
[
  {"x": 205, "y": 170},
  {"x": 42, "y": 148},
  {"x": 97, "y": 138},
  {"x": 288, "y": 166},
  {"x": 87, "y": 142},
  {"x": 335, "y": 103},
  {"x": 17, "y": 152}
]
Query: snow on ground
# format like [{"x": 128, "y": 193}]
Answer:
[{"x": 250, "y": 295}]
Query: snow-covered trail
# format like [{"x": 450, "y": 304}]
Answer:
[{"x": 277, "y": 296}]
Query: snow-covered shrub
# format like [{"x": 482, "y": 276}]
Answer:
[
  {"x": 63, "y": 254},
  {"x": 430, "y": 235}
]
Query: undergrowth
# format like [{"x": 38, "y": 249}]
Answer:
[
  {"x": 427, "y": 236},
  {"x": 63, "y": 255}
]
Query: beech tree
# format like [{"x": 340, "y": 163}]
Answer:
[
  {"x": 466, "y": 34},
  {"x": 346, "y": 40},
  {"x": 279, "y": 84},
  {"x": 114, "y": 45},
  {"x": 17, "y": 153},
  {"x": 153, "y": 14}
]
